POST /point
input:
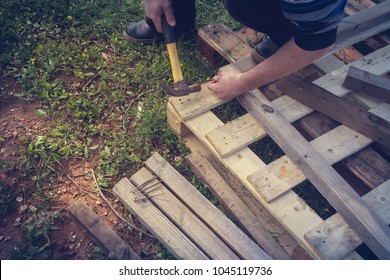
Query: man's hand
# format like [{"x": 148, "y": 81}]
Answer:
[
  {"x": 227, "y": 84},
  {"x": 155, "y": 8}
]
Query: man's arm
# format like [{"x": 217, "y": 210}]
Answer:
[{"x": 288, "y": 59}]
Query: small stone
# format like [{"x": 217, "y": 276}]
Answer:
[
  {"x": 1, "y": 237},
  {"x": 23, "y": 208},
  {"x": 98, "y": 202},
  {"x": 8, "y": 238},
  {"x": 19, "y": 198}
]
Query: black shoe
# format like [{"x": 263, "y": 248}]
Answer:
[
  {"x": 264, "y": 49},
  {"x": 143, "y": 32}
]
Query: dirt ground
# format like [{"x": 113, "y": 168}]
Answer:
[{"x": 18, "y": 126}]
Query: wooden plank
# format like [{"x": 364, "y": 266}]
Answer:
[
  {"x": 224, "y": 41},
  {"x": 381, "y": 111},
  {"x": 364, "y": 82},
  {"x": 157, "y": 223},
  {"x": 235, "y": 206},
  {"x": 241, "y": 132},
  {"x": 327, "y": 181},
  {"x": 366, "y": 164},
  {"x": 363, "y": 25},
  {"x": 282, "y": 174},
  {"x": 236, "y": 239},
  {"x": 336, "y": 108},
  {"x": 101, "y": 233},
  {"x": 182, "y": 217},
  {"x": 196, "y": 103},
  {"x": 234, "y": 135},
  {"x": 376, "y": 63},
  {"x": 333, "y": 239}
]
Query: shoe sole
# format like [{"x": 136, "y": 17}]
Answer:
[
  {"x": 143, "y": 41},
  {"x": 256, "y": 57}
]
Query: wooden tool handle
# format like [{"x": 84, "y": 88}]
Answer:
[{"x": 169, "y": 36}]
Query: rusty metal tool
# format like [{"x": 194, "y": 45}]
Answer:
[{"x": 180, "y": 87}]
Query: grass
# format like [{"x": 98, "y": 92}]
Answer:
[{"x": 99, "y": 95}]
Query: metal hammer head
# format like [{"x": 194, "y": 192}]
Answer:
[{"x": 180, "y": 88}]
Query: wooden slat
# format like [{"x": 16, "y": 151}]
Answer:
[
  {"x": 157, "y": 223},
  {"x": 182, "y": 217},
  {"x": 235, "y": 238},
  {"x": 228, "y": 44},
  {"x": 233, "y": 136},
  {"x": 377, "y": 63},
  {"x": 364, "y": 82},
  {"x": 196, "y": 103},
  {"x": 382, "y": 112},
  {"x": 366, "y": 164},
  {"x": 333, "y": 239},
  {"x": 282, "y": 175},
  {"x": 235, "y": 206},
  {"x": 363, "y": 25},
  {"x": 336, "y": 108},
  {"x": 241, "y": 132},
  {"x": 103, "y": 235},
  {"x": 329, "y": 183}
]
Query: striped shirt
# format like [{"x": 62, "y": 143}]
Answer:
[{"x": 315, "y": 21}]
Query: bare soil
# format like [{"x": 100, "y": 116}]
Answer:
[{"x": 18, "y": 126}]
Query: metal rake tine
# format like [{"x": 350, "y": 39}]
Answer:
[
  {"x": 149, "y": 189},
  {"x": 139, "y": 187},
  {"x": 142, "y": 197}
]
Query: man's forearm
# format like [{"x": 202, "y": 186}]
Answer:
[{"x": 284, "y": 62}]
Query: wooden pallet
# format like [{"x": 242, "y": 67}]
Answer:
[
  {"x": 185, "y": 222},
  {"x": 335, "y": 144}
]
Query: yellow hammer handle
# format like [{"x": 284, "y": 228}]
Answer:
[{"x": 175, "y": 64}]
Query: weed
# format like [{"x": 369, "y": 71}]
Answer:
[{"x": 36, "y": 229}]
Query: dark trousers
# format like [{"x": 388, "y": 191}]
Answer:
[
  {"x": 264, "y": 16},
  {"x": 261, "y": 15},
  {"x": 185, "y": 13}
]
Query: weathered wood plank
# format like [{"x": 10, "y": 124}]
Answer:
[
  {"x": 366, "y": 164},
  {"x": 101, "y": 233},
  {"x": 240, "y": 243},
  {"x": 241, "y": 132},
  {"x": 365, "y": 82},
  {"x": 382, "y": 112},
  {"x": 157, "y": 223},
  {"x": 363, "y": 25},
  {"x": 282, "y": 174},
  {"x": 376, "y": 63},
  {"x": 333, "y": 239},
  {"x": 182, "y": 217},
  {"x": 327, "y": 181},
  {"x": 234, "y": 135},
  {"x": 225, "y": 42},
  {"x": 235, "y": 206},
  {"x": 336, "y": 108},
  {"x": 196, "y": 103}
]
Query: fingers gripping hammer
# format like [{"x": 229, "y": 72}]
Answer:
[{"x": 180, "y": 88}]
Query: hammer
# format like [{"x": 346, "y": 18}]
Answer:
[{"x": 180, "y": 87}]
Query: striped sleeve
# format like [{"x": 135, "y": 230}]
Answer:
[{"x": 315, "y": 21}]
